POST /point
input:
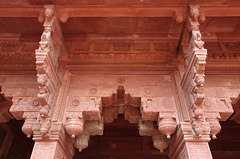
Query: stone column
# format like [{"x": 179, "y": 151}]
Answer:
[
  {"x": 58, "y": 145},
  {"x": 51, "y": 140},
  {"x": 192, "y": 136},
  {"x": 184, "y": 145}
]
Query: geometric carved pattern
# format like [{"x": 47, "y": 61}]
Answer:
[{"x": 120, "y": 51}]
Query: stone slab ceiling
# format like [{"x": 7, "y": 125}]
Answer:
[{"x": 117, "y": 31}]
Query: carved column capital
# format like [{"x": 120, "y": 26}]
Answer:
[
  {"x": 59, "y": 144},
  {"x": 185, "y": 144}
]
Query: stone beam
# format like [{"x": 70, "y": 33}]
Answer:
[
  {"x": 103, "y": 11},
  {"x": 86, "y": 11}
]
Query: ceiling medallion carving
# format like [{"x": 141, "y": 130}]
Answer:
[
  {"x": 147, "y": 91},
  {"x": 121, "y": 80},
  {"x": 35, "y": 103},
  {"x": 75, "y": 103},
  {"x": 93, "y": 90}
]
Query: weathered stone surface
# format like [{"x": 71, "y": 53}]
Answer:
[{"x": 148, "y": 61}]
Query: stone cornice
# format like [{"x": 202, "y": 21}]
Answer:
[
  {"x": 78, "y": 69},
  {"x": 222, "y": 70},
  {"x": 110, "y": 11}
]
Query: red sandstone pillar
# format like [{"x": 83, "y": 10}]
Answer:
[
  {"x": 184, "y": 145},
  {"x": 58, "y": 145}
]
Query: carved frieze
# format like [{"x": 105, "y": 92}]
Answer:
[{"x": 223, "y": 56}]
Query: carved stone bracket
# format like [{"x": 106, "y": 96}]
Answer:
[
  {"x": 91, "y": 128},
  {"x": 195, "y": 61},
  {"x": 47, "y": 64},
  {"x": 215, "y": 110},
  {"x": 146, "y": 128},
  {"x": 161, "y": 110},
  {"x": 85, "y": 116},
  {"x": 83, "y": 119},
  {"x": 27, "y": 109}
]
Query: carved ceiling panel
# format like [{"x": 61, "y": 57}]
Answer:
[
  {"x": 221, "y": 24},
  {"x": 97, "y": 2},
  {"x": 118, "y": 25},
  {"x": 25, "y": 25}
]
